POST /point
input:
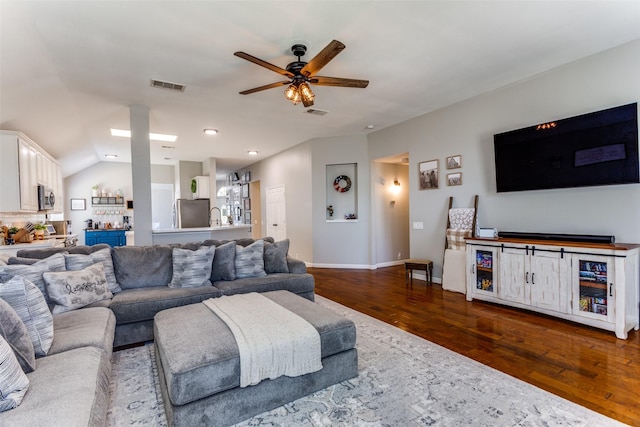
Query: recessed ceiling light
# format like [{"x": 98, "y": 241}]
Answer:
[
  {"x": 154, "y": 136},
  {"x": 369, "y": 126},
  {"x": 111, "y": 156},
  {"x": 252, "y": 152},
  {"x": 211, "y": 131}
]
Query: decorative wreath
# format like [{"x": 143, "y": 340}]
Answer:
[{"x": 342, "y": 183}]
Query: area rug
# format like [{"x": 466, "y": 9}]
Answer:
[{"x": 403, "y": 380}]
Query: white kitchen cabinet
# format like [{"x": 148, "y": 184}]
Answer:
[
  {"x": 24, "y": 165},
  {"x": 589, "y": 283}
]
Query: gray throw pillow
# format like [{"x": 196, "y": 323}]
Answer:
[
  {"x": 192, "y": 268},
  {"x": 78, "y": 262},
  {"x": 13, "y": 381},
  {"x": 142, "y": 266},
  {"x": 224, "y": 263},
  {"x": 27, "y": 300},
  {"x": 75, "y": 289},
  {"x": 33, "y": 273},
  {"x": 13, "y": 330},
  {"x": 250, "y": 260},
  {"x": 275, "y": 257}
]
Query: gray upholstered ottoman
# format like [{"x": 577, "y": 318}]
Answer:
[{"x": 199, "y": 364}]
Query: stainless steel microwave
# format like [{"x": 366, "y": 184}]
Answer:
[{"x": 46, "y": 198}]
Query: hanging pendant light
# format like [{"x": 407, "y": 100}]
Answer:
[{"x": 306, "y": 93}]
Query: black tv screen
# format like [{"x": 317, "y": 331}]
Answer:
[{"x": 599, "y": 148}]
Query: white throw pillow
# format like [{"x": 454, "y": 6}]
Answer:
[
  {"x": 78, "y": 262},
  {"x": 13, "y": 382},
  {"x": 74, "y": 289},
  {"x": 192, "y": 268},
  {"x": 27, "y": 300}
]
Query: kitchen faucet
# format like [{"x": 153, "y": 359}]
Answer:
[{"x": 218, "y": 222}]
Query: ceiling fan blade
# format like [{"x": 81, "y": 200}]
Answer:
[
  {"x": 337, "y": 81},
  {"x": 264, "y": 64},
  {"x": 265, "y": 87},
  {"x": 322, "y": 58}
]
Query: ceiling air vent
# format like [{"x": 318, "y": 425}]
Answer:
[
  {"x": 167, "y": 85},
  {"x": 316, "y": 111}
]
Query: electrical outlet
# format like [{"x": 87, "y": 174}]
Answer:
[{"x": 399, "y": 255}]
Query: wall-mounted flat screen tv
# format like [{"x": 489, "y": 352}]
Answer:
[{"x": 599, "y": 148}]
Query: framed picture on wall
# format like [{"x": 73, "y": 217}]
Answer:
[
  {"x": 245, "y": 191},
  {"x": 454, "y": 178},
  {"x": 247, "y": 204},
  {"x": 454, "y": 162},
  {"x": 78, "y": 204},
  {"x": 428, "y": 175}
]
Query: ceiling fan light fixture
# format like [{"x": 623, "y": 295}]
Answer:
[
  {"x": 305, "y": 92},
  {"x": 210, "y": 131},
  {"x": 292, "y": 94}
]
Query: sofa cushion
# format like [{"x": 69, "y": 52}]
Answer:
[
  {"x": 13, "y": 381},
  {"x": 135, "y": 305},
  {"x": 47, "y": 252},
  {"x": 250, "y": 260},
  {"x": 33, "y": 273},
  {"x": 275, "y": 257},
  {"x": 27, "y": 300},
  {"x": 70, "y": 290},
  {"x": 93, "y": 327},
  {"x": 224, "y": 262},
  {"x": 142, "y": 266},
  {"x": 192, "y": 268},
  {"x": 15, "y": 260},
  {"x": 79, "y": 261},
  {"x": 13, "y": 330},
  {"x": 296, "y": 283},
  {"x": 68, "y": 389}
]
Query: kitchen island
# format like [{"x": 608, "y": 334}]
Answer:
[{"x": 199, "y": 234}]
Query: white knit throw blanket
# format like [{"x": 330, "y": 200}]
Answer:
[{"x": 272, "y": 340}]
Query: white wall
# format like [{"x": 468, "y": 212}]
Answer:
[
  {"x": 389, "y": 213},
  {"x": 291, "y": 168},
  {"x": 601, "y": 81},
  {"x": 346, "y": 244}
]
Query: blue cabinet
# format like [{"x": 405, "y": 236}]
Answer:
[{"x": 110, "y": 237}]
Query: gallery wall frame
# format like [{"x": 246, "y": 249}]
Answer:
[
  {"x": 454, "y": 178},
  {"x": 78, "y": 204},
  {"x": 454, "y": 162},
  {"x": 428, "y": 175}
]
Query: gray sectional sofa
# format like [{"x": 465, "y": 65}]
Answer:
[{"x": 72, "y": 381}]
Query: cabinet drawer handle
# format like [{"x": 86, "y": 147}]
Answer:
[
  {"x": 610, "y": 289},
  {"x": 533, "y": 278},
  {"x": 526, "y": 277}
]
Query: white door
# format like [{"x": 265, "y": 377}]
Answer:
[
  {"x": 547, "y": 275},
  {"x": 276, "y": 213},
  {"x": 513, "y": 276}
]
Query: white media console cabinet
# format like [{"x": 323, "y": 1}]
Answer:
[{"x": 596, "y": 284}]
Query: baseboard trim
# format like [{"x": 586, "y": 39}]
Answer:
[{"x": 357, "y": 266}]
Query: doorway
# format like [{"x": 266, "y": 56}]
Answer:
[{"x": 276, "y": 213}]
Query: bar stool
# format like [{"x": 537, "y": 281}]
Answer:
[{"x": 418, "y": 264}]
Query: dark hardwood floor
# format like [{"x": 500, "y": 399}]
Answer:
[{"x": 585, "y": 365}]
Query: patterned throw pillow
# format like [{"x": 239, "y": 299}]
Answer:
[
  {"x": 74, "y": 289},
  {"x": 192, "y": 268},
  {"x": 27, "y": 300},
  {"x": 250, "y": 260},
  {"x": 33, "y": 273},
  {"x": 78, "y": 262},
  {"x": 13, "y": 330},
  {"x": 275, "y": 257},
  {"x": 13, "y": 382}
]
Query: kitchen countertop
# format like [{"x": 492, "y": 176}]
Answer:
[{"x": 201, "y": 229}]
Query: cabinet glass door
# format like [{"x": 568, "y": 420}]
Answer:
[
  {"x": 484, "y": 265},
  {"x": 595, "y": 287}
]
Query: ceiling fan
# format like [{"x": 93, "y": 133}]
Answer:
[{"x": 302, "y": 73}]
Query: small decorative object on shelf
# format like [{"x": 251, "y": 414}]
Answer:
[
  {"x": 330, "y": 210},
  {"x": 95, "y": 192},
  {"x": 350, "y": 216},
  {"x": 342, "y": 183}
]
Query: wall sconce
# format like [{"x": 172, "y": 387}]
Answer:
[{"x": 396, "y": 182}]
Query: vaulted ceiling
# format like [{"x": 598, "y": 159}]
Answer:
[{"x": 70, "y": 69}]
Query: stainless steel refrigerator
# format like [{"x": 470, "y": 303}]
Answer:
[{"x": 192, "y": 213}]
